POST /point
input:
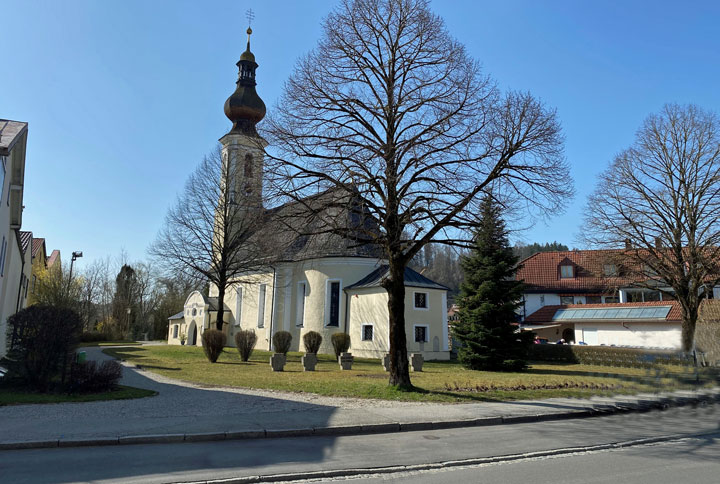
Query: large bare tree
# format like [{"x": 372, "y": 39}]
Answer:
[
  {"x": 390, "y": 107},
  {"x": 206, "y": 235},
  {"x": 658, "y": 203}
]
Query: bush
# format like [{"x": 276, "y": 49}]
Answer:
[
  {"x": 245, "y": 341},
  {"x": 312, "y": 341},
  {"x": 88, "y": 377},
  {"x": 281, "y": 342},
  {"x": 340, "y": 342},
  {"x": 605, "y": 355},
  {"x": 41, "y": 344},
  {"x": 93, "y": 336},
  {"x": 213, "y": 343}
]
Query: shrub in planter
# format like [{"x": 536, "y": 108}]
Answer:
[
  {"x": 41, "y": 343},
  {"x": 245, "y": 341},
  {"x": 341, "y": 343},
  {"x": 213, "y": 343},
  {"x": 281, "y": 342},
  {"x": 312, "y": 341},
  {"x": 89, "y": 377}
]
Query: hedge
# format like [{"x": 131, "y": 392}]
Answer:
[{"x": 607, "y": 355}]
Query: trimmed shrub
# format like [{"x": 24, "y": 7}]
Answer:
[
  {"x": 213, "y": 343},
  {"x": 89, "y": 377},
  {"x": 281, "y": 342},
  {"x": 606, "y": 355},
  {"x": 245, "y": 341},
  {"x": 41, "y": 345},
  {"x": 312, "y": 341},
  {"x": 340, "y": 342},
  {"x": 94, "y": 336}
]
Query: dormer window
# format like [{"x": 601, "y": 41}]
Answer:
[{"x": 567, "y": 272}]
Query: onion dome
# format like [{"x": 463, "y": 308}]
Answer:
[{"x": 244, "y": 107}]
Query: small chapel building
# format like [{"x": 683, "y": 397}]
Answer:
[{"x": 322, "y": 282}]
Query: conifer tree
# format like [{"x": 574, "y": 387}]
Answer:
[{"x": 489, "y": 297}]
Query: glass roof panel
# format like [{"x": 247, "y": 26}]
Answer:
[{"x": 654, "y": 312}]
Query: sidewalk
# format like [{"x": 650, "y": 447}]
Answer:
[{"x": 187, "y": 412}]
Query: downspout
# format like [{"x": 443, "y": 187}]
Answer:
[
  {"x": 346, "y": 310},
  {"x": 272, "y": 308}
]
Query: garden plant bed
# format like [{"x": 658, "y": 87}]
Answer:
[
  {"x": 9, "y": 396},
  {"x": 542, "y": 380}
]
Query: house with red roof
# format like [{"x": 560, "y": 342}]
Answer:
[{"x": 582, "y": 296}]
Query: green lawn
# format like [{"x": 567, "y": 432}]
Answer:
[
  {"x": 439, "y": 381},
  {"x": 17, "y": 397}
]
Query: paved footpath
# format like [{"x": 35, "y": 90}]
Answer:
[{"x": 186, "y": 412}]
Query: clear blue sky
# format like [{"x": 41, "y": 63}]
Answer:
[{"x": 123, "y": 98}]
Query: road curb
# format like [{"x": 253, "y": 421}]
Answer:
[{"x": 584, "y": 409}]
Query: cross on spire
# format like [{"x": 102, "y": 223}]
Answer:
[{"x": 250, "y": 16}]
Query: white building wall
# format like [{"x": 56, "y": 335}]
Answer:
[
  {"x": 533, "y": 302},
  {"x": 10, "y": 284},
  {"x": 642, "y": 335}
]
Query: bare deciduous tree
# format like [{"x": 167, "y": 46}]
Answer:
[
  {"x": 390, "y": 106},
  {"x": 661, "y": 198},
  {"x": 206, "y": 233}
]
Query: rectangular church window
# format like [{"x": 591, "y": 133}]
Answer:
[{"x": 334, "y": 303}]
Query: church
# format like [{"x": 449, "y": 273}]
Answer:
[{"x": 319, "y": 282}]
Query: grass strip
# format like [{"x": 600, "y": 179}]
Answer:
[{"x": 438, "y": 382}]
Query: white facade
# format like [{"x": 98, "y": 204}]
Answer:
[
  {"x": 298, "y": 297},
  {"x": 637, "y": 334},
  {"x": 13, "y": 141}
]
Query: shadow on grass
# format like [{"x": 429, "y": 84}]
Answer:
[{"x": 124, "y": 353}]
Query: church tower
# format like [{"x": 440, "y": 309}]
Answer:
[{"x": 243, "y": 147}]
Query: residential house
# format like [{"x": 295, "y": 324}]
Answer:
[
  {"x": 582, "y": 296},
  {"x": 26, "y": 240},
  {"x": 39, "y": 266},
  {"x": 13, "y": 143}
]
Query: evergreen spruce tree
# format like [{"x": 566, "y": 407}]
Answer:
[{"x": 489, "y": 297}]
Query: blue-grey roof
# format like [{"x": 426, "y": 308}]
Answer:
[
  {"x": 412, "y": 279},
  {"x": 651, "y": 312},
  {"x": 179, "y": 315}
]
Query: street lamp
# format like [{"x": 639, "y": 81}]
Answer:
[{"x": 75, "y": 255}]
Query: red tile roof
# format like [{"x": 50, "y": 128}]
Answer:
[
  {"x": 38, "y": 243},
  {"x": 54, "y": 256},
  {"x": 541, "y": 272},
  {"x": 545, "y": 314}
]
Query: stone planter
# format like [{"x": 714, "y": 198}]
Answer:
[
  {"x": 277, "y": 361},
  {"x": 386, "y": 362},
  {"x": 346, "y": 361},
  {"x": 309, "y": 361},
  {"x": 416, "y": 361}
]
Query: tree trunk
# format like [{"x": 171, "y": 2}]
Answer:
[
  {"x": 689, "y": 320},
  {"x": 221, "y": 307},
  {"x": 395, "y": 286}
]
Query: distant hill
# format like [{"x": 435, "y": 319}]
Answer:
[{"x": 524, "y": 251}]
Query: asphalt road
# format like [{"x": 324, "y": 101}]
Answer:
[
  {"x": 693, "y": 460},
  {"x": 187, "y": 462}
]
